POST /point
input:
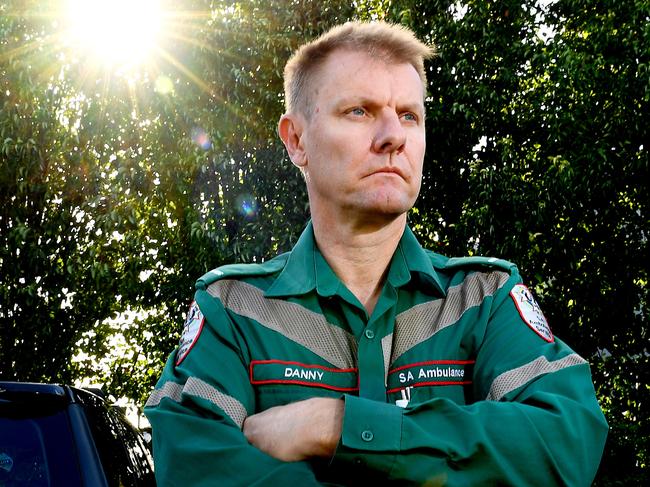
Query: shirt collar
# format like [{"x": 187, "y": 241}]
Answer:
[
  {"x": 416, "y": 261},
  {"x": 299, "y": 273},
  {"x": 306, "y": 269}
]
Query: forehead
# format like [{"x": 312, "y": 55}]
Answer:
[{"x": 348, "y": 73}]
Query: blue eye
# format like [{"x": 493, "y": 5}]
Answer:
[
  {"x": 410, "y": 117},
  {"x": 358, "y": 111}
]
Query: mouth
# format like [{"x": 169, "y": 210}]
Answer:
[{"x": 389, "y": 170}]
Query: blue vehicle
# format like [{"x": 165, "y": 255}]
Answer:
[{"x": 54, "y": 435}]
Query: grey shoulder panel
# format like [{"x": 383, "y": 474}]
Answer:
[{"x": 236, "y": 271}]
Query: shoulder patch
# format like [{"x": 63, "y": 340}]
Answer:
[
  {"x": 191, "y": 331},
  {"x": 530, "y": 312}
]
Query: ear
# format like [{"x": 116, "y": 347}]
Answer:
[{"x": 290, "y": 129}]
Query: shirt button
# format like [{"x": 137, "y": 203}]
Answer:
[
  {"x": 367, "y": 435},
  {"x": 370, "y": 334}
]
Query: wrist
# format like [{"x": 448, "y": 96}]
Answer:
[{"x": 328, "y": 419}]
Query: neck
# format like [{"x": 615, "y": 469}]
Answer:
[{"x": 360, "y": 254}]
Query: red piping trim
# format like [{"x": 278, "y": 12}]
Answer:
[{"x": 299, "y": 382}]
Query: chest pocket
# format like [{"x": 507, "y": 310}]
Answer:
[{"x": 279, "y": 382}]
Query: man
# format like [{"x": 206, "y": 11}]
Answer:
[{"x": 359, "y": 357}]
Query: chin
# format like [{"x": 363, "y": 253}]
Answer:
[
  {"x": 391, "y": 204},
  {"x": 388, "y": 211}
]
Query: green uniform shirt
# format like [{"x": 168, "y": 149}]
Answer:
[{"x": 455, "y": 378}]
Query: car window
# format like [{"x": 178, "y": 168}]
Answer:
[
  {"x": 134, "y": 448},
  {"x": 36, "y": 449},
  {"x": 117, "y": 444}
]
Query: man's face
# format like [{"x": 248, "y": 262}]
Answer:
[{"x": 364, "y": 142}]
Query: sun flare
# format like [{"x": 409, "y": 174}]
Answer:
[{"x": 115, "y": 32}]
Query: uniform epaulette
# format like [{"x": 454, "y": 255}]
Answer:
[
  {"x": 230, "y": 271},
  {"x": 490, "y": 262}
]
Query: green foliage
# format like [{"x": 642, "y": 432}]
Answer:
[
  {"x": 120, "y": 189},
  {"x": 537, "y": 121},
  {"x": 117, "y": 190}
]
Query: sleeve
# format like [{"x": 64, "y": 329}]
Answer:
[
  {"x": 199, "y": 406},
  {"x": 536, "y": 420}
]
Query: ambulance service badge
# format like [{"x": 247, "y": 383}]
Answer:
[
  {"x": 191, "y": 332},
  {"x": 530, "y": 311}
]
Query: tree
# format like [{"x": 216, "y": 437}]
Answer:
[
  {"x": 121, "y": 188},
  {"x": 537, "y": 121}
]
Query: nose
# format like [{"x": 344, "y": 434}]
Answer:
[{"x": 390, "y": 135}]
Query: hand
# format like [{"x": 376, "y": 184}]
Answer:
[{"x": 299, "y": 430}]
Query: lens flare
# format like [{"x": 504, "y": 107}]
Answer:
[
  {"x": 163, "y": 85},
  {"x": 201, "y": 138},
  {"x": 246, "y": 205}
]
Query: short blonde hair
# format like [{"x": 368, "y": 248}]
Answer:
[{"x": 391, "y": 42}]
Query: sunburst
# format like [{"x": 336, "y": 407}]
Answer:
[{"x": 115, "y": 33}]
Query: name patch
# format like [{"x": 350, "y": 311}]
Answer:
[
  {"x": 286, "y": 372},
  {"x": 530, "y": 312},
  {"x": 431, "y": 373}
]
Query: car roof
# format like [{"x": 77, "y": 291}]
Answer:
[{"x": 34, "y": 390}]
